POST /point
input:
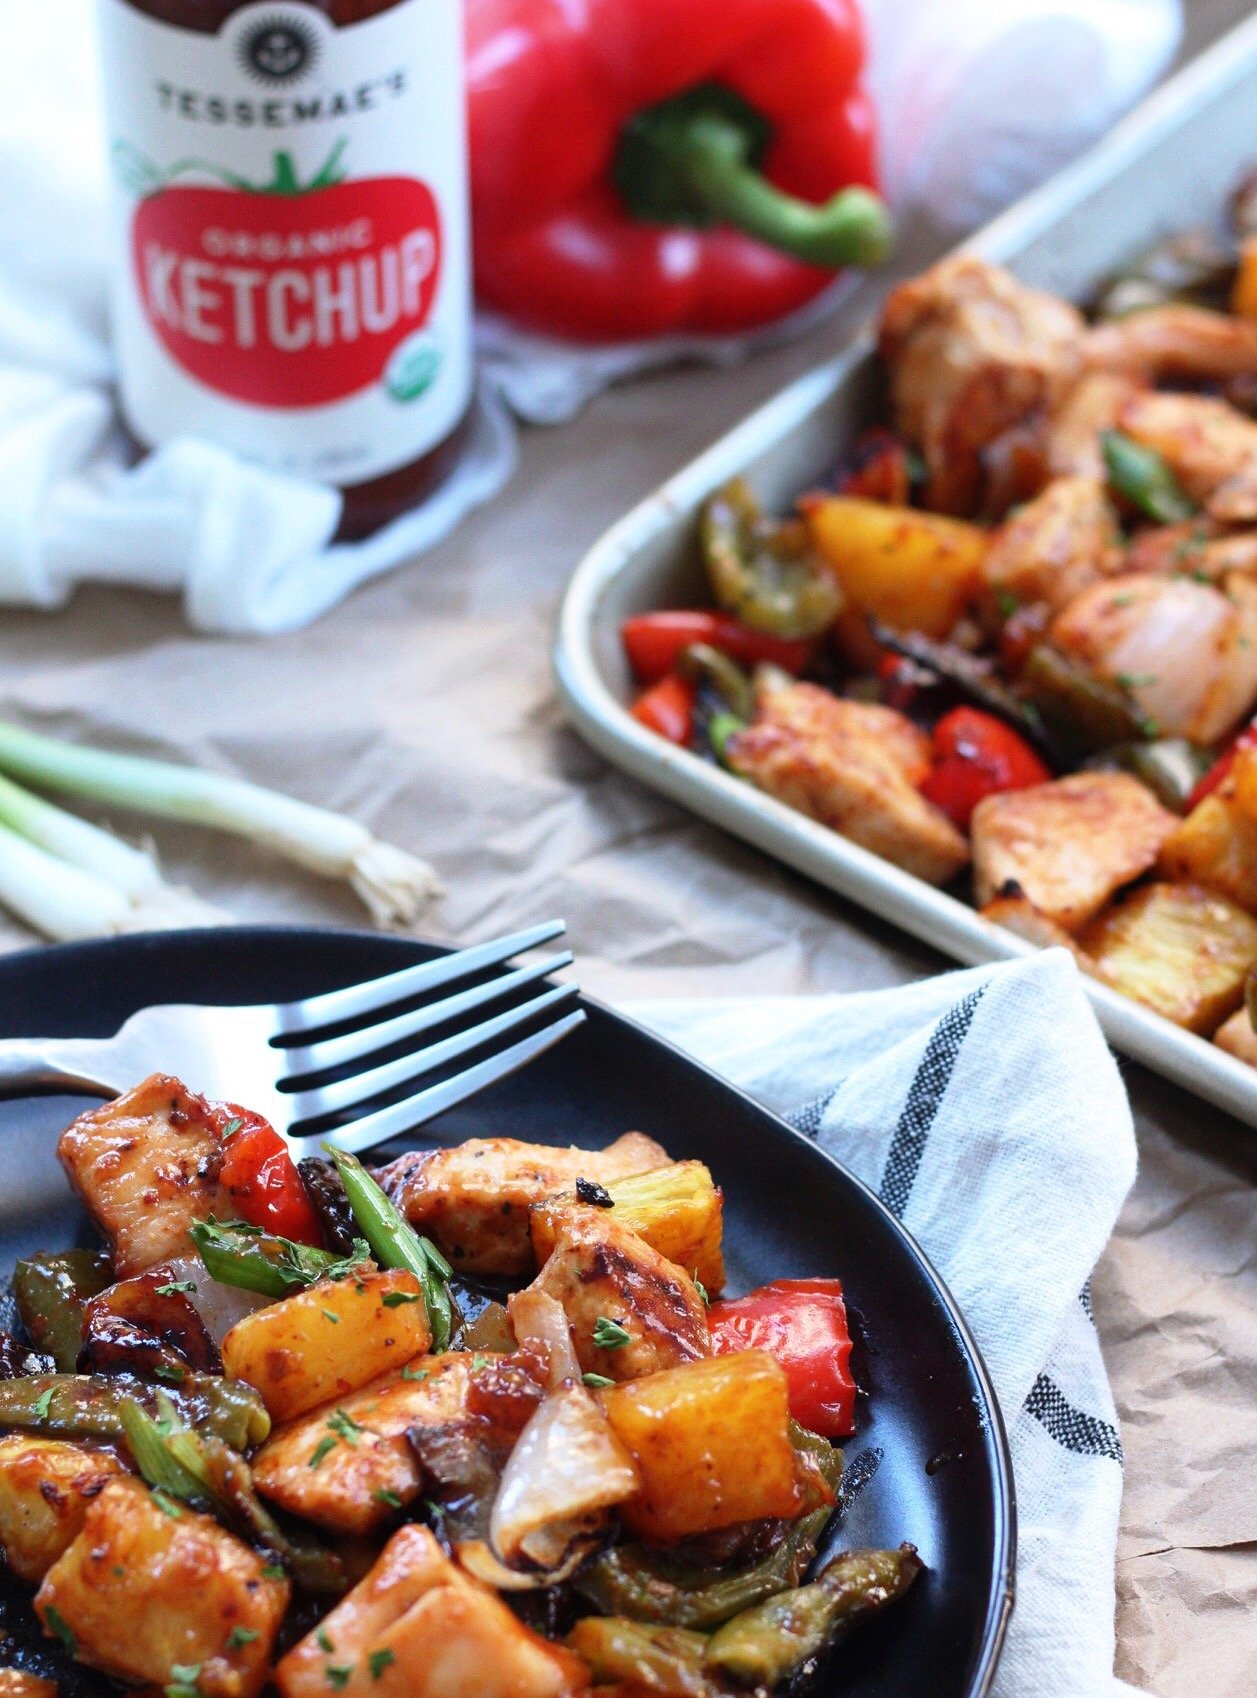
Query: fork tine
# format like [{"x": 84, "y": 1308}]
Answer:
[
  {"x": 331, "y": 1007},
  {"x": 326, "y": 1053},
  {"x": 347, "y": 1093},
  {"x": 402, "y": 1117}
]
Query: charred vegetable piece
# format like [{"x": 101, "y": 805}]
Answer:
[
  {"x": 1145, "y": 479},
  {"x": 52, "y": 1292},
  {"x": 764, "y": 571},
  {"x": 396, "y": 1244},
  {"x": 975, "y": 679},
  {"x": 645, "y": 1658},
  {"x": 1191, "y": 265},
  {"x": 212, "y": 1476},
  {"x": 262, "y": 1180},
  {"x": 709, "y": 668},
  {"x": 1081, "y": 713},
  {"x": 327, "y": 1194},
  {"x": 802, "y": 1324},
  {"x": 237, "y": 1253},
  {"x": 768, "y": 1643},
  {"x": 89, "y": 1407},
  {"x": 145, "y": 1325},
  {"x": 631, "y": 1580}
]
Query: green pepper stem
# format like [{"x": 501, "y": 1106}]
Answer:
[{"x": 694, "y": 159}]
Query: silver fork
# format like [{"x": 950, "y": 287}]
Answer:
[{"x": 265, "y": 1057}]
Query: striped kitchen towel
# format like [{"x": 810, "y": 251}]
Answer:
[{"x": 986, "y": 1111}]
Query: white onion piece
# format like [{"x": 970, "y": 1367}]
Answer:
[
  {"x": 480, "y": 1562},
  {"x": 567, "y": 1467},
  {"x": 219, "y": 1306},
  {"x": 538, "y": 1320}
]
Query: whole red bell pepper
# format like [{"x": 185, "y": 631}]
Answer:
[
  {"x": 802, "y": 1323},
  {"x": 647, "y": 166}
]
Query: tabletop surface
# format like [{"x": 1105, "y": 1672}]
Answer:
[{"x": 425, "y": 705}]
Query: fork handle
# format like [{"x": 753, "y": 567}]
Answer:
[{"x": 72, "y": 1062}]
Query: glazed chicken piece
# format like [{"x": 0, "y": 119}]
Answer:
[
  {"x": 418, "y": 1627},
  {"x": 1211, "y": 449},
  {"x": 474, "y": 1199},
  {"x": 1185, "y": 652},
  {"x": 855, "y": 767},
  {"x": 601, "y": 1272},
  {"x": 1071, "y": 435},
  {"x": 45, "y": 1488},
  {"x": 348, "y": 1466},
  {"x": 1174, "y": 343},
  {"x": 1068, "y": 845},
  {"x": 1057, "y": 545},
  {"x": 146, "y": 1167},
  {"x": 144, "y": 1593},
  {"x": 972, "y": 352}
]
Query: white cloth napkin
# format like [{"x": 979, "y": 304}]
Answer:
[
  {"x": 986, "y": 1111},
  {"x": 977, "y": 102}
]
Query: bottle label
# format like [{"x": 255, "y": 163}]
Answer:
[{"x": 291, "y": 271}]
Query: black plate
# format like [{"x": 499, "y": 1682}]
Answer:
[{"x": 931, "y": 1450}]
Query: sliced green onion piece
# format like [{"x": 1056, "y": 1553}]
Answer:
[
  {"x": 395, "y": 1244},
  {"x": 149, "y": 1447},
  {"x": 394, "y": 885},
  {"x": 1144, "y": 478}
]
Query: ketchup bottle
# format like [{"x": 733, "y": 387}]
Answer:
[{"x": 291, "y": 265}]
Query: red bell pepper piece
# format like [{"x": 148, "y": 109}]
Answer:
[
  {"x": 654, "y": 642},
  {"x": 1221, "y": 768},
  {"x": 630, "y": 159},
  {"x": 262, "y": 1177},
  {"x": 802, "y": 1324},
  {"x": 977, "y": 755},
  {"x": 668, "y": 708}
]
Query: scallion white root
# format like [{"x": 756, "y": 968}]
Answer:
[{"x": 394, "y": 885}]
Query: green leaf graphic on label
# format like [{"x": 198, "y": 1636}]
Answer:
[{"x": 412, "y": 368}]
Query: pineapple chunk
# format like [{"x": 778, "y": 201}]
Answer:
[
  {"x": 143, "y": 1592},
  {"x": 45, "y": 1488},
  {"x": 329, "y": 1340},
  {"x": 1179, "y": 949},
  {"x": 1019, "y": 916},
  {"x": 1237, "y": 1037},
  {"x": 677, "y": 1209},
  {"x": 1217, "y": 843}
]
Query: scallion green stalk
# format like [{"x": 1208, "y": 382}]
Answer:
[{"x": 394, "y": 884}]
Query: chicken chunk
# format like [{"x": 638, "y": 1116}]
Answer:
[
  {"x": 1057, "y": 545},
  {"x": 146, "y": 1167},
  {"x": 474, "y": 1199},
  {"x": 144, "y": 1592},
  {"x": 854, "y": 766},
  {"x": 348, "y": 1466},
  {"x": 418, "y": 1627},
  {"x": 973, "y": 352},
  {"x": 1176, "y": 342},
  {"x": 1068, "y": 845},
  {"x": 1185, "y": 652},
  {"x": 1071, "y": 435},
  {"x": 45, "y": 1488},
  {"x": 631, "y": 1311},
  {"x": 1211, "y": 448}
]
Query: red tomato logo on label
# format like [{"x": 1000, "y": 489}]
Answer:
[{"x": 288, "y": 300}]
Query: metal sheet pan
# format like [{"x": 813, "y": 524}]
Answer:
[{"x": 1170, "y": 164}]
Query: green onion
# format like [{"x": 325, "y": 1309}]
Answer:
[
  {"x": 1144, "y": 478},
  {"x": 597, "y": 1382},
  {"x": 395, "y": 1244},
  {"x": 239, "y": 1637},
  {"x": 610, "y": 1335},
  {"x": 236, "y": 1253},
  {"x": 394, "y": 885},
  {"x": 151, "y": 1452}
]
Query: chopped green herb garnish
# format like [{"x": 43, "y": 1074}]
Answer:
[
  {"x": 379, "y": 1660},
  {"x": 43, "y": 1403},
  {"x": 173, "y": 1286},
  {"x": 232, "y": 1127},
  {"x": 324, "y": 1641},
  {"x": 239, "y": 1637},
  {"x": 183, "y": 1680},
  {"x": 166, "y": 1503},
  {"x": 274, "y": 1571},
  {"x": 386, "y": 1495},
  {"x": 1007, "y": 603},
  {"x": 321, "y": 1449},
  {"x": 1134, "y": 680},
  {"x": 60, "y": 1626},
  {"x": 409, "y": 1373},
  {"x": 395, "y": 1299},
  {"x": 332, "y": 1316},
  {"x": 610, "y": 1335},
  {"x": 597, "y": 1381},
  {"x": 344, "y": 1425},
  {"x": 478, "y": 1362},
  {"x": 172, "y": 1376},
  {"x": 338, "y": 1674},
  {"x": 1123, "y": 600},
  {"x": 701, "y": 1290}
]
